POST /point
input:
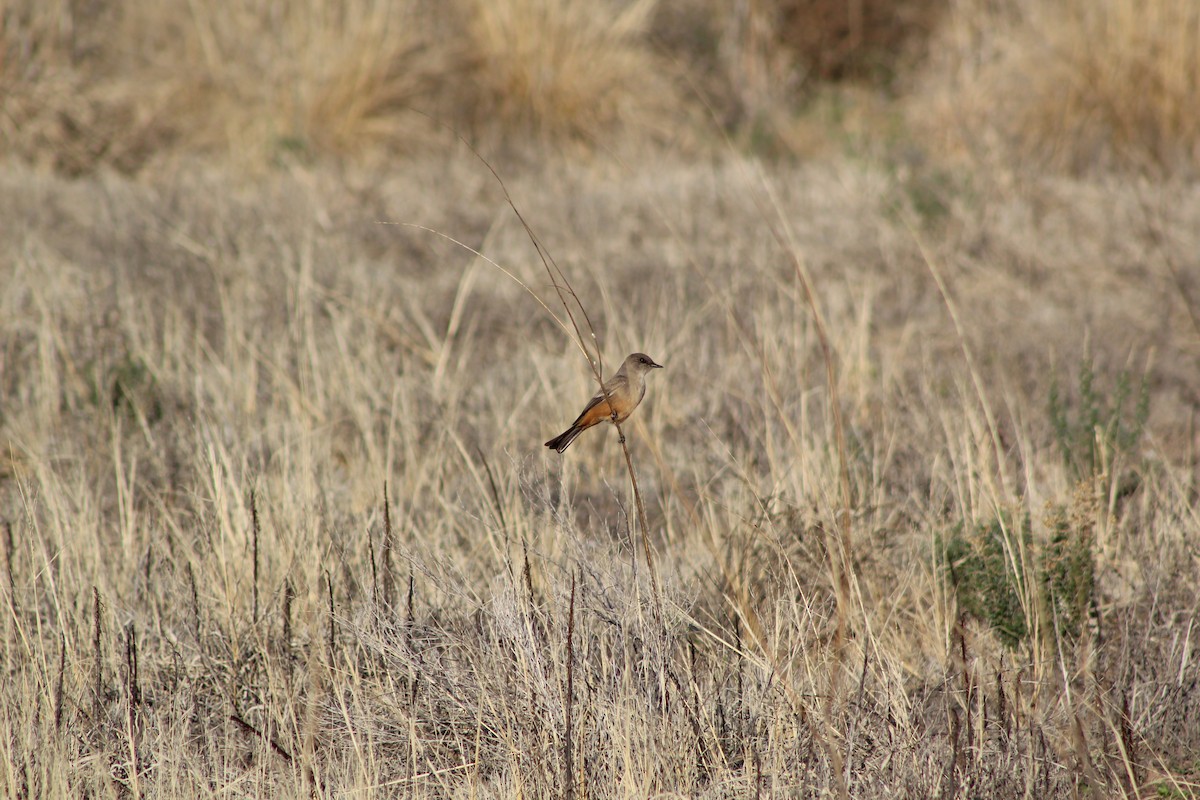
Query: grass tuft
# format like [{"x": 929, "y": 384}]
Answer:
[
  {"x": 568, "y": 68},
  {"x": 1071, "y": 85}
]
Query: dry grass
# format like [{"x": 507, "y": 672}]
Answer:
[
  {"x": 915, "y": 532},
  {"x": 569, "y": 69},
  {"x": 262, "y": 79},
  {"x": 104, "y": 83},
  {"x": 1068, "y": 85},
  {"x": 1072, "y": 86},
  {"x": 172, "y": 350}
]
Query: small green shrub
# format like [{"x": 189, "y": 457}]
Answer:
[
  {"x": 988, "y": 573},
  {"x": 1068, "y": 573},
  {"x": 991, "y": 566},
  {"x": 1092, "y": 427}
]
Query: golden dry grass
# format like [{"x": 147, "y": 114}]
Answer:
[
  {"x": 173, "y": 350},
  {"x": 902, "y": 546},
  {"x": 108, "y": 84},
  {"x": 562, "y": 69},
  {"x": 1071, "y": 86},
  {"x": 1068, "y": 85}
]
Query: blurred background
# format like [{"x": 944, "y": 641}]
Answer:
[{"x": 1068, "y": 85}]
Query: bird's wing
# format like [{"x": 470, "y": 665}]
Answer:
[
  {"x": 612, "y": 386},
  {"x": 615, "y": 386}
]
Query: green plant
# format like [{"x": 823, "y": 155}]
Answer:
[
  {"x": 1068, "y": 574},
  {"x": 991, "y": 567},
  {"x": 987, "y": 569},
  {"x": 1096, "y": 425}
]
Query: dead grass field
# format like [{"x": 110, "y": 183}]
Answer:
[
  {"x": 173, "y": 349},
  {"x": 965, "y": 567}
]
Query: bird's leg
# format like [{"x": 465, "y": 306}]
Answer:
[{"x": 617, "y": 425}]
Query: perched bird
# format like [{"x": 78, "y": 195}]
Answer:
[{"x": 622, "y": 393}]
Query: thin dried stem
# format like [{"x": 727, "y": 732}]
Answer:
[{"x": 566, "y": 294}]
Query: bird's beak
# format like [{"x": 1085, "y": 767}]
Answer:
[{"x": 655, "y": 366}]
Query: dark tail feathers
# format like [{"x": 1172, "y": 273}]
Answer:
[{"x": 564, "y": 439}]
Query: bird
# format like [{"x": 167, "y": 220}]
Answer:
[{"x": 622, "y": 392}]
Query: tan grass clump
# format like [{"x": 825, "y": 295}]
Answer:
[
  {"x": 1073, "y": 84},
  {"x": 259, "y": 81},
  {"x": 568, "y": 68},
  {"x": 107, "y": 84},
  {"x": 326, "y": 76}
]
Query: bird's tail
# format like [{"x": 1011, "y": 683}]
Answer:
[{"x": 564, "y": 439}]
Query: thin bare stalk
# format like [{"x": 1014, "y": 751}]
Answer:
[
  {"x": 374, "y": 570},
  {"x": 388, "y": 577},
  {"x": 98, "y": 668},
  {"x": 8, "y": 568},
  {"x": 643, "y": 526},
  {"x": 332, "y": 635},
  {"x": 58, "y": 684},
  {"x": 255, "y": 535},
  {"x": 568, "y": 740},
  {"x": 565, "y": 289},
  {"x": 566, "y": 294}
]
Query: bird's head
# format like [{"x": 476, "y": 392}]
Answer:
[{"x": 641, "y": 363}]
